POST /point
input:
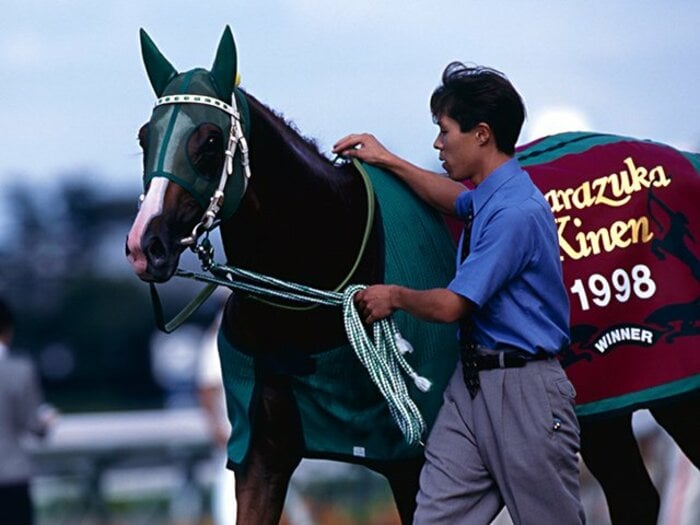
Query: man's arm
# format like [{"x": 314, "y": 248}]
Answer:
[
  {"x": 437, "y": 305},
  {"x": 210, "y": 400},
  {"x": 437, "y": 190},
  {"x": 37, "y": 417}
]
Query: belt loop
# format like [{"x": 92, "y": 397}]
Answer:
[{"x": 501, "y": 359}]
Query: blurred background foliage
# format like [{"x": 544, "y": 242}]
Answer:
[{"x": 81, "y": 314}]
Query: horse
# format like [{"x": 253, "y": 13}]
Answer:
[
  {"x": 625, "y": 211},
  {"x": 290, "y": 384}
]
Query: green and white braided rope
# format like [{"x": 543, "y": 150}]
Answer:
[
  {"x": 381, "y": 355},
  {"x": 383, "y": 358}
]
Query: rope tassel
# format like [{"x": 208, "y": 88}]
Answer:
[{"x": 384, "y": 361}]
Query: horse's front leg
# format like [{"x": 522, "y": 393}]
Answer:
[
  {"x": 275, "y": 451},
  {"x": 403, "y": 477}
]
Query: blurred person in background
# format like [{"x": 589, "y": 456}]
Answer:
[
  {"x": 21, "y": 414},
  {"x": 210, "y": 389}
]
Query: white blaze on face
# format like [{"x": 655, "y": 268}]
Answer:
[{"x": 151, "y": 207}]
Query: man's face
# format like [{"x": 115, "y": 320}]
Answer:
[{"x": 459, "y": 151}]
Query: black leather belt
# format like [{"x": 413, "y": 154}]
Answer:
[
  {"x": 473, "y": 362},
  {"x": 502, "y": 360}
]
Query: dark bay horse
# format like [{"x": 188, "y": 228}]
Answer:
[
  {"x": 627, "y": 217},
  {"x": 299, "y": 218}
]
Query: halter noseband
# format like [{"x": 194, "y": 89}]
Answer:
[{"x": 236, "y": 139}]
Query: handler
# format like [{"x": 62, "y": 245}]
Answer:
[{"x": 506, "y": 432}]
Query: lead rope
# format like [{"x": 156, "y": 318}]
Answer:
[{"x": 382, "y": 355}]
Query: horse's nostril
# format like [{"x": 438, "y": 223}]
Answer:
[{"x": 156, "y": 249}]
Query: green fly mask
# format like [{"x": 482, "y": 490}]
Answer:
[{"x": 186, "y": 102}]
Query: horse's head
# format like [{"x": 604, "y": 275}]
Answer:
[{"x": 191, "y": 149}]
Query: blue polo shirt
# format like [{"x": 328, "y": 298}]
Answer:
[{"x": 513, "y": 272}]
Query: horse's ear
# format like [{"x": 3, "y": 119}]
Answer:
[
  {"x": 224, "y": 69},
  {"x": 160, "y": 71}
]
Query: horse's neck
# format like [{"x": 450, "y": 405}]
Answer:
[{"x": 303, "y": 219}]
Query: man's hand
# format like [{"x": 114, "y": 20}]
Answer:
[
  {"x": 375, "y": 302},
  {"x": 435, "y": 189},
  {"x": 438, "y": 305},
  {"x": 365, "y": 147}
]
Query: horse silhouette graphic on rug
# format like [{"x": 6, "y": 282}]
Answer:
[
  {"x": 675, "y": 231},
  {"x": 677, "y": 320}
]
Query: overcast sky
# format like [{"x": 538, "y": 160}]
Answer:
[{"x": 74, "y": 92}]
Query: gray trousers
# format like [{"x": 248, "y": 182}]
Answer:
[{"x": 514, "y": 444}]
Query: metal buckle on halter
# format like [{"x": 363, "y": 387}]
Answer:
[
  {"x": 205, "y": 253},
  {"x": 208, "y": 220}
]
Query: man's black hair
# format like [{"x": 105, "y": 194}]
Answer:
[{"x": 471, "y": 95}]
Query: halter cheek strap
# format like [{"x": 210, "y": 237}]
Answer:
[{"x": 236, "y": 140}]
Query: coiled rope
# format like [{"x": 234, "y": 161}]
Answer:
[{"x": 382, "y": 354}]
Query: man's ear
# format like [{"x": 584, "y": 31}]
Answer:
[{"x": 483, "y": 133}]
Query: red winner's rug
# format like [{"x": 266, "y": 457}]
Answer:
[{"x": 628, "y": 216}]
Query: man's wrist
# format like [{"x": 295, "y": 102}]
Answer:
[
  {"x": 396, "y": 297},
  {"x": 388, "y": 161}
]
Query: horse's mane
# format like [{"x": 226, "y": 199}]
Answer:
[{"x": 288, "y": 131}]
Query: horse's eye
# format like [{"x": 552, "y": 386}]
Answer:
[
  {"x": 206, "y": 150},
  {"x": 211, "y": 145}
]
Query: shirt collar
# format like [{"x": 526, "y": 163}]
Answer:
[{"x": 494, "y": 180}]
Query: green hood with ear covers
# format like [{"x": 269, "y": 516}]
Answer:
[
  {"x": 172, "y": 125},
  {"x": 223, "y": 71}
]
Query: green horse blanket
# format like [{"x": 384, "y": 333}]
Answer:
[{"x": 343, "y": 415}]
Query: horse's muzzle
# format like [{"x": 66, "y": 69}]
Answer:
[{"x": 151, "y": 260}]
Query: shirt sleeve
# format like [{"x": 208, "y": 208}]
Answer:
[
  {"x": 30, "y": 401},
  {"x": 462, "y": 204},
  {"x": 504, "y": 246}
]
